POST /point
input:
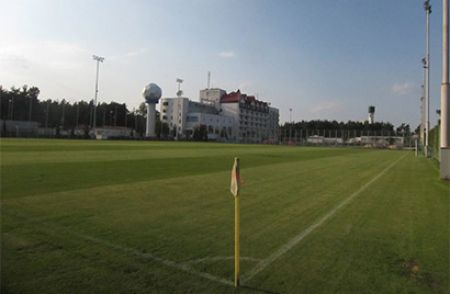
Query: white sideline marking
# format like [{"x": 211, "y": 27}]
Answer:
[
  {"x": 169, "y": 263},
  {"x": 263, "y": 264},
  {"x": 218, "y": 258},
  {"x": 54, "y": 229}
]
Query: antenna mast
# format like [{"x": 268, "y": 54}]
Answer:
[
  {"x": 209, "y": 80},
  {"x": 179, "y": 92}
]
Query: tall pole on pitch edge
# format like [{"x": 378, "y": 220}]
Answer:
[
  {"x": 427, "y": 7},
  {"x": 445, "y": 127},
  {"x": 98, "y": 59}
]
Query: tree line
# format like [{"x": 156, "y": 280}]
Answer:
[
  {"x": 341, "y": 129},
  {"x": 23, "y": 104}
]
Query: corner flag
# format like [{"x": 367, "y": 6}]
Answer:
[
  {"x": 234, "y": 188},
  {"x": 235, "y": 178}
]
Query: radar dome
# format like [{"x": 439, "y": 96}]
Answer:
[{"x": 151, "y": 93}]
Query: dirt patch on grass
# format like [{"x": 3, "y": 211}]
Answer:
[
  {"x": 410, "y": 268},
  {"x": 413, "y": 271}
]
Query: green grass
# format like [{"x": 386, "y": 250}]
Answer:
[{"x": 85, "y": 216}]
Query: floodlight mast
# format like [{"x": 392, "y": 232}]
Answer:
[
  {"x": 445, "y": 99},
  {"x": 427, "y": 8},
  {"x": 98, "y": 59},
  {"x": 290, "y": 125},
  {"x": 426, "y": 61}
]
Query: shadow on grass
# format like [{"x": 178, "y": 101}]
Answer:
[{"x": 257, "y": 290}]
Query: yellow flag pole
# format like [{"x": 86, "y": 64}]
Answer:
[
  {"x": 237, "y": 239},
  {"x": 234, "y": 188}
]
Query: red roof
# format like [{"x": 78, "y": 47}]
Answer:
[
  {"x": 235, "y": 97},
  {"x": 231, "y": 97}
]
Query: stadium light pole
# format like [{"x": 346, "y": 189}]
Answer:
[
  {"x": 63, "y": 113},
  {"x": 11, "y": 108},
  {"x": 427, "y": 8},
  {"x": 46, "y": 113},
  {"x": 290, "y": 124},
  {"x": 445, "y": 129},
  {"x": 77, "y": 115},
  {"x": 98, "y": 59},
  {"x": 30, "y": 109}
]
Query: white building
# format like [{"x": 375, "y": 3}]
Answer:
[
  {"x": 110, "y": 132},
  {"x": 234, "y": 117}
]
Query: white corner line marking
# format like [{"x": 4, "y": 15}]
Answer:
[
  {"x": 263, "y": 264},
  {"x": 169, "y": 263}
]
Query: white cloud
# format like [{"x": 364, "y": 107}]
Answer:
[
  {"x": 402, "y": 88},
  {"x": 326, "y": 107},
  {"x": 45, "y": 54},
  {"x": 63, "y": 67},
  {"x": 129, "y": 54},
  {"x": 227, "y": 54}
]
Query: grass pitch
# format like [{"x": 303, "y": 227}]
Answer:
[{"x": 85, "y": 216}]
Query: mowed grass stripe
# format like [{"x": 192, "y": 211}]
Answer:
[
  {"x": 78, "y": 263},
  {"x": 61, "y": 157},
  {"x": 263, "y": 264},
  {"x": 188, "y": 217},
  {"x": 374, "y": 242},
  {"x": 8, "y": 145},
  {"x": 46, "y": 151},
  {"x": 31, "y": 179},
  {"x": 162, "y": 216}
]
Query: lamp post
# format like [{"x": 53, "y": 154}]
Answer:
[
  {"x": 445, "y": 128},
  {"x": 11, "y": 108},
  {"x": 30, "y": 109},
  {"x": 427, "y": 8},
  {"x": 46, "y": 114},
  {"x": 290, "y": 124},
  {"x": 77, "y": 115},
  {"x": 63, "y": 113},
  {"x": 98, "y": 59}
]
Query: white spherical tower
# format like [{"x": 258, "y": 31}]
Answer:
[{"x": 151, "y": 93}]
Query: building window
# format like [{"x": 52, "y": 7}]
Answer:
[
  {"x": 192, "y": 119},
  {"x": 165, "y": 103}
]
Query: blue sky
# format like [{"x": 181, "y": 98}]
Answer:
[{"x": 326, "y": 59}]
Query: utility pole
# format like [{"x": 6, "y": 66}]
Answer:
[
  {"x": 98, "y": 59},
  {"x": 427, "y": 8},
  {"x": 445, "y": 111}
]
